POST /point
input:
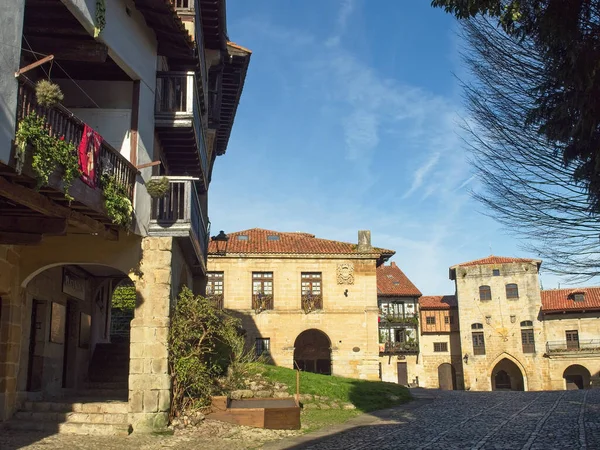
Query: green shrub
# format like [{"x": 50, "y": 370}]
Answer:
[{"x": 124, "y": 297}]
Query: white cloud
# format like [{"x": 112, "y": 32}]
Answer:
[{"x": 421, "y": 172}]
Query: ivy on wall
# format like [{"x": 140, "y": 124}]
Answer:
[{"x": 100, "y": 17}]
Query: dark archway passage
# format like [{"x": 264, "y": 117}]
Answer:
[
  {"x": 312, "y": 352},
  {"x": 507, "y": 376},
  {"x": 576, "y": 377},
  {"x": 447, "y": 377}
]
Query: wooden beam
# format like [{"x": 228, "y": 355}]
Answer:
[
  {"x": 8, "y": 238},
  {"x": 34, "y": 225},
  {"x": 39, "y": 62},
  {"x": 36, "y": 201},
  {"x": 150, "y": 164},
  {"x": 81, "y": 50}
]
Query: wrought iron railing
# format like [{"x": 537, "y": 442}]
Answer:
[
  {"x": 179, "y": 211},
  {"x": 400, "y": 347},
  {"x": 60, "y": 122},
  {"x": 120, "y": 324},
  {"x": 580, "y": 346},
  {"x": 177, "y": 98},
  {"x": 312, "y": 302},
  {"x": 262, "y": 302}
]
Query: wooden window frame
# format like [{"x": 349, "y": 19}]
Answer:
[
  {"x": 440, "y": 347},
  {"x": 430, "y": 320},
  {"x": 485, "y": 293},
  {"x": 263, "y": 299},
  {"x": 512, "y": 291},
  {"x": 216, "y": 295},
  {"x": 311, "y": 291},
  {"x": 478, "y": 340},
  {"x": 572, "y": 338},
  {"x": 528, "y": 340},
  {"x": 476, "y": 326},
  {"x": 496, "y": 272},
  {"x": 527, "y": 323}
]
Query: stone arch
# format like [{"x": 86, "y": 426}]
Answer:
[
  {"x": 576, "y": 377},
  {"x": 509, "y": 357},
  {"x": 312, "y": 352},
  {"x": 506, "y": 375}
]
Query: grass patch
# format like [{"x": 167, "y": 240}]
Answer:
[{"x": 365, "y": 395}]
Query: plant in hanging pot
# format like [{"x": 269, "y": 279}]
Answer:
[
  {"x": 158, "y": 188},
  {"x": 48, "y": 94}
]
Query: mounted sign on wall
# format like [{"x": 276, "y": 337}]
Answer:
[{"x": 73, "y": 285}]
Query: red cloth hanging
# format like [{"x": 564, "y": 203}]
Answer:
[{"x": 89, "y": 150}]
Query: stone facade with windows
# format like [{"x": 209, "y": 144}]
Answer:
[{"x": 305, "y": 302}]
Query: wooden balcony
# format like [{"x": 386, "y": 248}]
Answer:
[
  {"x": 86, "y": 210},
  {"x": 179, "y": 214},
  {"x": 411, "y": 320},
  {"x": 261, "y": 302},
  {"x": 178, "y": 120},
  {"x": 397, "y": 348},
  {"x": 217, "y": 300},
  {"x": 573, "y": 348}
]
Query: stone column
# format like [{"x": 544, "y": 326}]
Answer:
[
  {"x": 11, "y": 329},
  {"x": 149, "y": 379}
]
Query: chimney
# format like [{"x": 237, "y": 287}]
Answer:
[{"x": 364, "y": 241}]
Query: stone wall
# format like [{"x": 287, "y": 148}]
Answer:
[{"x": 349, "y": 320}]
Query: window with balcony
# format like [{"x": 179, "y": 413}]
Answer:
[
  {"x": 572, "y": 339},
  {"x": 311, "y": 291},
  {"x": 478, "y": 343},
  {"x": 512, "y": 291},
  {"x": 262, "y": 291},
  {"x": 214, "y": 287},
  {"x": 528, "y": 341},
  {"x": 262, "y": 346},
  {"x": 440, "y": 346},
  {"x": 430, "y": 320},
  {"x": 485, "y": 293}
]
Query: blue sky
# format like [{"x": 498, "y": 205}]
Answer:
[{"x": 350, "y": 119}]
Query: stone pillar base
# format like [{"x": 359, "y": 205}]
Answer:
[{"x": 149, "y": 422}]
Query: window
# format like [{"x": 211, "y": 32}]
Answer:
[
  {"x": 572, "y": 339},
  {"x": 214, "y": 287},
  {"x": 273, "y": 237},
  {"x": 478, "y": 343},
  {"x": 578, "y": 297},
  {"x": 485, "y": 293},
  {"x": 449, "y": 319},
  {"x": 527, "y": 323},
  {"x": 477, "y": 326},
  {"x": 528, "y": 341},
  {"x": 496, "y": 272},
  {"x": 440, "y": 346},
  {"x": 430, "y": 320},
  {"x": 242, "y": 237},
  {"x": 512, "y": 291},
  {"x": 312, "y": 297},
  {"x": 262, "y": 290},
  {"x": 262, "y": 346}
]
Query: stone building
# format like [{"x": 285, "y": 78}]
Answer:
[
  {"x": 136, "y": 108},
  {"x": 304, "y": 301}
]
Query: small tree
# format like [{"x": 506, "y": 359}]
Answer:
[{"x": 203, "y": 342}]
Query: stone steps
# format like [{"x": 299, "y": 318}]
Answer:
[{"x": 80, "y": 416}]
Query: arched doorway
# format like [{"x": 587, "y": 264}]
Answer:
[
  {"x": 447, "y": 377},
  {"x": 507, "y": 376},
  {"x": 312, "y": 352},
  {"x": 576, "y": 377}
]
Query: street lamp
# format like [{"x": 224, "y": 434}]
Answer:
[{"x": 221, "y": 240}]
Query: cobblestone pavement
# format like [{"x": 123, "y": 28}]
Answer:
[
  {"x": 436, "y": 420},
  {"x": 471, "y": 420}
]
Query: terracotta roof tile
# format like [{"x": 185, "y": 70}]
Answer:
[
  {"x": 263, "y": 241},
  {"x": 558, "y": 300},
  {"x": 496, "y": 260},
  {"x": 438, "y": 302},
  {"x": 391, "y": 281}
]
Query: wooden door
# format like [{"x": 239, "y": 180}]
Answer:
[
  {"x": 402, "y": 374},
  {"x": 446, "y": 377}
]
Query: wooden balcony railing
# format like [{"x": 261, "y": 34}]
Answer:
[
  {"x": 217, "y": 300},
  {"x": 406, "y": 319},
  {"x": 179, "y": 213},
  {"x": 571, "y": 347},
  {"x": 59, "y": 122},
  {"x": 262, "y": 302},
  {"x": 177, "y": 102},
  {"x": 399, "y": 347}
]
